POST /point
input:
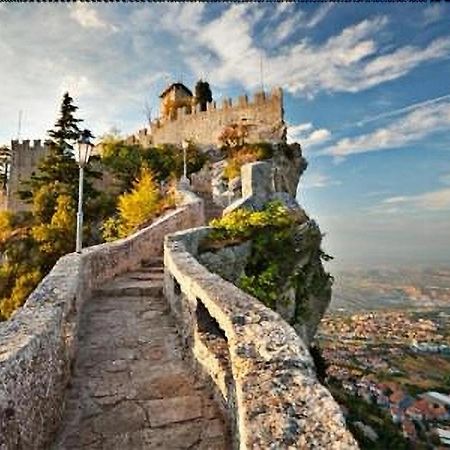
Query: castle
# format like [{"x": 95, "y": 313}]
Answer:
[{"x": 181, "y": 118}]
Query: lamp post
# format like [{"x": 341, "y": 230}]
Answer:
[
  {"x": 82, "y": 158},
  {"x": 184, "y": 182}
]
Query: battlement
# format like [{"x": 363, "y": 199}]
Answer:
[
  {"x": 25, "y": 157},
  {"x": 263, "y": 113},
  {"x": 27, "y": 145},
  {"x": 259, "y": 99}
]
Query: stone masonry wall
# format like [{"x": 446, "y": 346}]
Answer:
[
  {"x": 24, "y": 161},
  {"x": 260, "y": 368},
  {"x": 39, "y": 343},
  {"x": 264, "y": 115}
]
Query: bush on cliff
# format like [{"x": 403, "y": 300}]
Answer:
[
  {"x": 247, "y": 153},
  {"x": 276, "y": 249}
]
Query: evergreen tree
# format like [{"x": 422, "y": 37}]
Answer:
[
  {"x": 58, "y": 171},
  {"x": 203, "y": 94}
]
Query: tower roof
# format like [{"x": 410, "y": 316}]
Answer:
[{"x": 175, "y": 85}]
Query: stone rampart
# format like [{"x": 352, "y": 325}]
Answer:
[
  {"x": 260, "y": 368},
  {"x": 38, "y": 345},
  {"x": 25, "y": 157},
  {"x": 263, "y": 116}
]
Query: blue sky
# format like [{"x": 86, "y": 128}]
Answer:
[{"x": 367, "y": 94}]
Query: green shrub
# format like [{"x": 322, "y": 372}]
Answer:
[{"x": 275, "y": 252}]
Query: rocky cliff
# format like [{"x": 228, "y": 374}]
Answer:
[{"x": 303, "y": 285}]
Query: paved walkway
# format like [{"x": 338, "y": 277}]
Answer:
[{"x": 131, "y": 388}]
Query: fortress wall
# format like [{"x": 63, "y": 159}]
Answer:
[
  {"x": 263, "y": 113},
  {"x": 25, "y": 157},
  {"x": 39, "y": 343},
  {"x": 259, "y": 367}
]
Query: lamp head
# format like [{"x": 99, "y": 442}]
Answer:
[{"x": 84, "y": 148}]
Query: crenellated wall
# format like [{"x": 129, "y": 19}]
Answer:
[
  {"x": 263, "y": 114},
  {"x": 25, "y": 157},
  {"x": 260, "y": 368},
  {"x": 38, "y": 345}
]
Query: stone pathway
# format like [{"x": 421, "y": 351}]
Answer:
[{"x": 131, "y": 388}]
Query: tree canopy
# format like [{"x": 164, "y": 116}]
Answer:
[{"x": 203, "y": 94}]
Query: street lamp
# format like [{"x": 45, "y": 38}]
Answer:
[
  {"x": 82, "y": 158},
  {"x": 184, "y": 182}
]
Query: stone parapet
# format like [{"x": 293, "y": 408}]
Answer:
[
  {"x": 263, "y": 114},
  {"x": 260, "y": 368},
  {"x": 38, "y": 344}
]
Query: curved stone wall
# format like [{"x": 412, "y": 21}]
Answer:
[
  {"x": 259, "y": 367},
  {"x": 38, "y": 344}
]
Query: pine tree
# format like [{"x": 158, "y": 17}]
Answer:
[
  {"x": 58, "y": 170},
  {"x": 203, "y": 94},
  {"x": 66, "y": 127}
]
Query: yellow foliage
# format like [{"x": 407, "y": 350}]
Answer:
[
  {"x": 57, "y": 238},
  {"x": 242, "y": 223},
  {"x": 64, "y": 217},
  {"x": 5, "y": 224},
  {"x": 24, "y": 285},
  {"x": 139, "y": 205}
]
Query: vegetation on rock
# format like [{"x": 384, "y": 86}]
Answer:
[
  {"x": 279, "y": 241},
  {"x": 247, "y": 153},
  {"x": 234, "y": 135}
]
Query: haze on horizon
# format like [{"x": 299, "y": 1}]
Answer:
[{"x": 367, "y": 94}]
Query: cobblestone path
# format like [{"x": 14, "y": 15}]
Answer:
[{"x": 131, "y": 388}]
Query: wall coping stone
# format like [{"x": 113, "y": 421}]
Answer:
[{"x": 276, "y": 401}]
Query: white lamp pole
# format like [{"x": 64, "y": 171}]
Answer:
[
  {"x": 184, "y": 179},
  {"x": 82, "y": 158}
]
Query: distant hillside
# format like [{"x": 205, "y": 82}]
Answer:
[{"x": 391, "y": 288}]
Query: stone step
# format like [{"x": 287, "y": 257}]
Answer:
[
  {"x": 155, "y": 261},
  {"x": 145, "y": 275},
  {"x": 126, "y": 287}
]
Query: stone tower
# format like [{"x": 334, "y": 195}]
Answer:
[
  {"x": 175, "y": 96},
  {"x": 24, "y": 162}
]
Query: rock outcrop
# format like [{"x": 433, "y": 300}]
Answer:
[
  {"x": 305, "y": 296},
  {"x": 287, "y": 165}
]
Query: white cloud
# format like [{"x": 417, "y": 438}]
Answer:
[
  {"x": 294, "y": 21},
  {"x": 403, "y": 110},
  {"x": 412, "y": 127},
  {"x": 319, "y": 15},
  {"x": 438, "y": 200},
  {"x": 307, "y": 135},
  {"x": 88, "y": 17},
  {"x": 394, "y": 200},
  {"x": 350, "y": 61},
  {"x": 316, "y": 180},
  {"x": 433, "y": 14}
]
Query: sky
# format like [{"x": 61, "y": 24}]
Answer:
[{"x": 367, "y": 94}]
